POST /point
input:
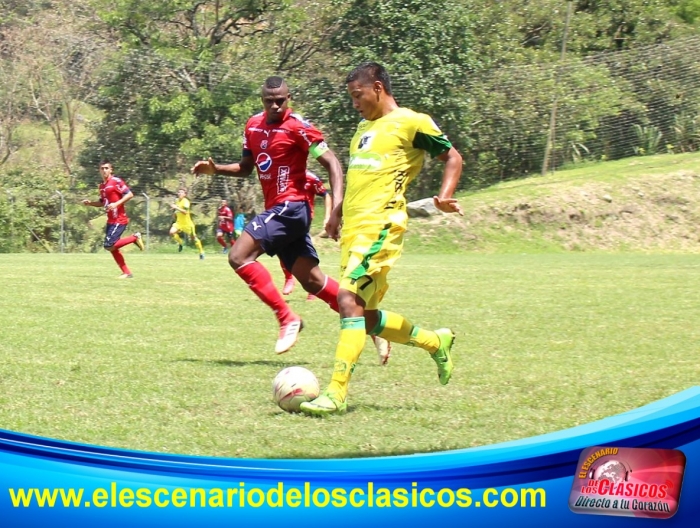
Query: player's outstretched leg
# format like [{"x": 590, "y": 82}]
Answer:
[
  {"x": 198, "y": 245},
  {"x": 397, "y": 329},
  {"x": 258, "y": 279},
  {"x": 139, "y": 241},
  {"x": 443, "y": 355},
  {"x": 178, "y": 239},
  {"x": 119, "y": 259},
  {"x": 289, "y": 333},
  {"x": 350, "y": 345},
  {"x": 325, "y": 405},
  {"x": 383, "y": 349}
]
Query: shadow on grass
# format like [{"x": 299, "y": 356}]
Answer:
[{"x": 233, "y": 363}]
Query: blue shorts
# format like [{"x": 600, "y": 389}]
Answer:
[
  {"x": 113, "y": 232},
  {"x": 283, "y": 230}
]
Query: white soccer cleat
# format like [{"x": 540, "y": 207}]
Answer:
[
  {"x": 383, "y": 349},
  {"x": 289, "y": 333}
]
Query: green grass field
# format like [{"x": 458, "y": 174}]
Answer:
[{"x": 180, "y": 359}]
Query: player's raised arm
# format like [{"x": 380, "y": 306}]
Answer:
[
  {"x": 242, "y": 169},
  {"x": 450, "y": 177},
  {"x": 330, "y": 162}
]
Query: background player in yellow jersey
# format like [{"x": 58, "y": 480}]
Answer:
[
  {"x": 386, "y": 154},
  {"x": 183, "y": 222}
]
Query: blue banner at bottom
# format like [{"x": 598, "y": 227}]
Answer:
[{"x": 555, "y": 479}]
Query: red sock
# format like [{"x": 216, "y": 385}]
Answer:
[
  {"x": 119, "y": 259},
  {"x": 287, "y": 274},
  {"x": 220, "y": 240},
  {"x": 329, "y": 293},
  {"x": 258, "y": 279},
  {"x": 124, "y": 241}
]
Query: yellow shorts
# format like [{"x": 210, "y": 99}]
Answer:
[
  {"x": 187, "y": 229},
  {"x": 366, "y": 259}
]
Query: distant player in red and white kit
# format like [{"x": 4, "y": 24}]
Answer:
[
  {"x": 224, "y": 229},
  {"x": 114, "y": 193},
  {"x": 314, "y": 187}
]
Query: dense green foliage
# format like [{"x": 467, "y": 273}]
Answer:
[{"x": 155, "y": 86}]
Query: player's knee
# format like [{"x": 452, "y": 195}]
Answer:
[
  {"x": 309, "y": 274},
  {"x": 349, "y": 304},
  {"x": 234, "y": 260},
  {"x": 311, "y": 283}
]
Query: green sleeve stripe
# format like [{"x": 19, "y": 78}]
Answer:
[
  {"x": 434, "y": 145},
  {"x": 318, "y": 149}
]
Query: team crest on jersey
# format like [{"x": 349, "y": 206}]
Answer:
[
  {"x": 263, "y": 144},
  {"x": 264, "y": 162},
  {"x": 365, "y": 141}
]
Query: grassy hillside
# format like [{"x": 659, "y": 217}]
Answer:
[{"x": 636, "y": 204}]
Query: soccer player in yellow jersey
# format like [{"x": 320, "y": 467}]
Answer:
[
  {"x": 386, "y": 154},
  {"x": 183, "y": 222}
]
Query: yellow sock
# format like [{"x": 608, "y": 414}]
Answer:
[
  {"x": 397, "y": 329},
  {"x": 352, "y": 341},
  {"x": 178, "y": 239},
  {"x": 198, "y": 243}
]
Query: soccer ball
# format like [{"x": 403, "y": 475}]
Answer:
[{"x": 292, "y": 386}]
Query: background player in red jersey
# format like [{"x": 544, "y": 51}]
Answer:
[
  {"x": 224, "y": 229},
  {"x": 277, "y": 143},
  {"x": 114, "y": 193}
]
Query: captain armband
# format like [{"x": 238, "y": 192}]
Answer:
[{"x": 318, "y": 149}]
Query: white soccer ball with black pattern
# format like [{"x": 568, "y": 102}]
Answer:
[{"x": 292, "y": 386}]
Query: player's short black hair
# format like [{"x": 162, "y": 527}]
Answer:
[
  {"x": 273, "y": 82},
  {"x": 369, "y": 72},
  {"x": 106, "y": 162}
]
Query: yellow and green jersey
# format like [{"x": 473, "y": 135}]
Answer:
[{"x": 385, "y": 156}]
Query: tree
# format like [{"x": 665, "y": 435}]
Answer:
[
  {"x": 13, "y": 98},
  {"x": 57, "y": 60},
  {"x": 425, "y": 45},
  {"x": 182, "y": 87}
]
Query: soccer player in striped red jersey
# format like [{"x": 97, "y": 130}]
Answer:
[
  {"x": 277, "y": 143},
  {"x": 224, "y": 229},
  {"x": 114, "y": 193}
]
